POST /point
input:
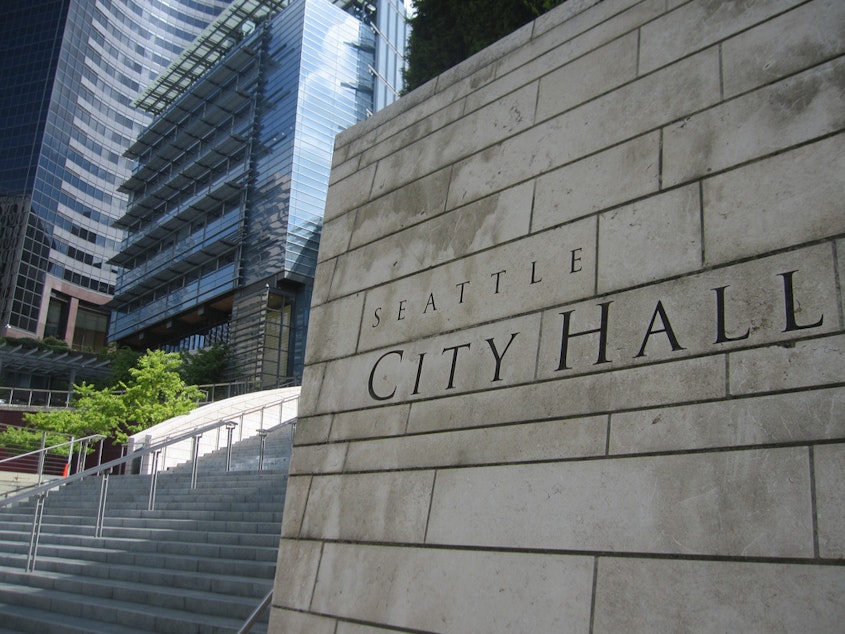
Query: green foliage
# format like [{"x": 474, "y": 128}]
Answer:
[
  {"x": 203, "y": 367},
  {"x": 24, "y": 440},
  {"x": 156, "y": 392},
  {"x": 445, "y": 32},
  {"x": 121, "y": 360},
  {"x": 153, "y": 393}
]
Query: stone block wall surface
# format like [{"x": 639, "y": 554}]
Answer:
[{"x": 576, "y": 355}]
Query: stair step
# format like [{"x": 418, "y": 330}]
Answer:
[
  {"x": 40, "y": 621},
  {"x": 158, "y": 592},
  {"x": 112, "y": 612},
  {"x": 201, "y": 561}
]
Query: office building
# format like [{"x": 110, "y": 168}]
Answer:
[
  {"x": 228, "y": 190},
  {"x": 70, "y": 71}
]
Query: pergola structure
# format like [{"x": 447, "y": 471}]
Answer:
[{"x": 71, "y": 366}]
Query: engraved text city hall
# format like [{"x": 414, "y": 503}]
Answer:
[{"x": 398, "y": 368}]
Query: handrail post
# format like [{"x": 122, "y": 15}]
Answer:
[
  {"x": 230, "y": 427},
  {"x": 153, "y": 481},
  {"x": 101, "y": 506},
  {"x": 194, "y": 455},
  {"x": 36, "y": 531},
  {"x": 69, "y": 456},
  {"x": 263, "y": 435},
  {"x": 83, "y": 453},
  {"x": 42, "y": 457}
]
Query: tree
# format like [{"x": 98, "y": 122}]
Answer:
[
  {"x": 154, "y": 392},
  {"x": 445, "y": 32},
  {"x": 203, "y": 367}
]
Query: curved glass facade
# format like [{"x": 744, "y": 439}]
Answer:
[
  {"x": 229, "y": 189},
  {"x": 109, "y": 50}
]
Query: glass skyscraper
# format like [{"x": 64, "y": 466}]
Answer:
[
  {"x": 227, "y": 194},
  {"x": 70, "y": 71}
]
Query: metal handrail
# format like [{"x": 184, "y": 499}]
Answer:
[
  {"x": 252, "y": 619},
  {"x": 71, "y": 442},
  {"x": 40, "y": 492},
  {"x": 107, "y": 466},
  {"x": 246, "y": 427}
]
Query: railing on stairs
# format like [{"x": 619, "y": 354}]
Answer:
[
  {"x": 37, "y": 458},
  {"x": 248, "y": 422},
  {"x": 103, "y": 471}
]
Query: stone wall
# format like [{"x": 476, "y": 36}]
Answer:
[{"x": 576, "y": 352}]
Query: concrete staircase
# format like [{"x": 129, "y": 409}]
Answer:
[{"x": 200, "y": 562}]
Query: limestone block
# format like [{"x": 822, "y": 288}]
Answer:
[
  {"x": 381, "y": 143},
  {"x": 296, "y": 496},
  {"x": 335, "y": 236},
  {"x": 743, "y": 503},
  {"x": 691, "y": 84},
  {"x": 318, "y": 459},
  {"x": 291, "y": 622},
  {"x": 830, "y": 481},
  {"x": 811, "y": 363},
  {"x": 799, "y": 39},
  {"x": 312, "y": 430},
  {"x": 773, "y": 118},
  {"x": 526, "y": 442},
  {"x": 807, "y": 416},
  {"x": 369, "y": 423},
  {"x": 339, "y": 323},
  {"x": 587, "y": 77},
  {"x": 347, "y": 194},
  {"x": 699, "y": 24},
  {"x": 580, "y": 16},
  {"x": 465, "y": 591},
  {"x": 494, "y": 220},
  {"x": 312, "y": 382},
  {"x": 343, "y": 164},
  {"x": 385, "y": 507},
  {"x": 482, "y": 128},
  {"x": 667, "y": 231},
  {"x": 323, "y": 283},
  {"x": 541, "y": 270},
  {"x": 659, "y": 596},
  {"x": 612, "y": 177},
  {"x": 550, "y": 50},
  {"x": 299, "y": 559},
  {"x": 840, "y": 259},
  {"x": 788, "y": 199},
  {"x": 416, "y": 202},
  {"x": 662, "y": 384},
  {"x": 347, "y": 627},
  {"x": 748, "y": 304}
]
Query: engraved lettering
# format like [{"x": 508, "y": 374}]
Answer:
[
  {"x": 498, "y": 356},
  {"x": 602, "y": 330},
  {"x": 789, "y": 301},
  {"x": 721, "y": 335},
  {"x": 667, "y": 328},
  {"x": 370, "y": 387},
  {"x": 454, "y": 350}
]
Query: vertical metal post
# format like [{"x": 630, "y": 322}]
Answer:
[
  {"x": 263, "y": 435},
  {"x": 153, "y": 481},
  {"x": 194, "y": 455},
  {"x": 101, "y": 506},
  {"x": 230, "y": 427},
  {"x": 100, "y": 454},
  {"x": 36, "y": 531},
  {"x": 69, "y": 456},
  {"x": 41, "y": 457},
  {"x": 83, "y": 453}
]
